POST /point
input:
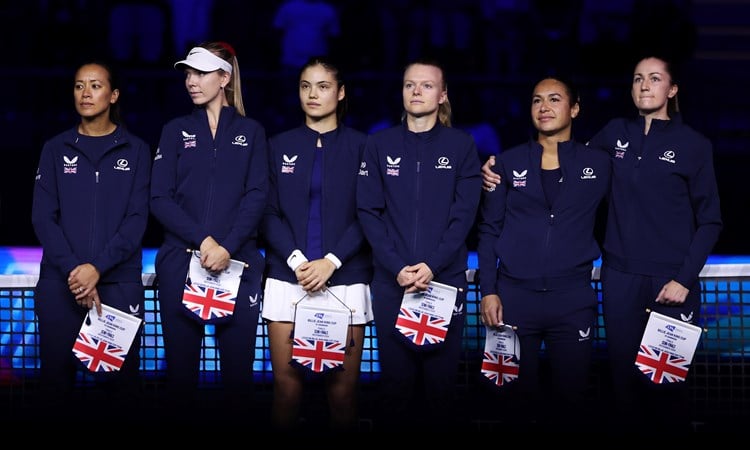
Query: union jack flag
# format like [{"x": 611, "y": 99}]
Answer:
[
  {"x": 421, "y": 328},
  {"x": 502, "y": 369},
  {"x": 208, "y": 303},
  {"x": 661, "y": 367},
  {"x": 98, "y": 355},
  {"x": 318, "y": 355}
]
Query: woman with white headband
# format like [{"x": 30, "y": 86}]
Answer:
[{"x": 209, "y": 188}]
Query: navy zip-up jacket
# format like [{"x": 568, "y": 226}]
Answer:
[
  {"x": 203, "y": 186},
  {"x": 664, "y": 216},
  {"x": 417, "y": 197},
  {"x": 92, "y": 208},
  {"x": 285, "y": 222},
  {"x": 540, "y": 246}
]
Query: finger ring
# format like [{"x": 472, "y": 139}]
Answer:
[{"x": 80, "y": 289}]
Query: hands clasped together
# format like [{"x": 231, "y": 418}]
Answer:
[
  {"x": 415, "y": 278},
  {"x": 82, "y": 283},
  {"x": 214, "y": 257},
  {"x": 312, "y": 276}
]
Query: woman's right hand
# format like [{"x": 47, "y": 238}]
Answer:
[
  {"x": 91, "y": 299},
  {"x": 490, "y": 179},
  {"x": 491, "y": 310},
  {"x": 214, "y": 257}
]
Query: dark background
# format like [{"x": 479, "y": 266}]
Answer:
[{"x": 491, "y": 61}]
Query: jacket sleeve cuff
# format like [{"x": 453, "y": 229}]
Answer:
[
  {"x": 336, "y": 262},
  {"x": 296, "y": 259}
]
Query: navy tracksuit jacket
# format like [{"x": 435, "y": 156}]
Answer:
[
  {"x": 285, "y": 224},
  {"x": 205, "y": 186},
  {"x": 417, "y": 196},
  {"x": 90, "y": 206},
  {"x": 538, "y": 258},
  {"x": 664, "y": 219}
]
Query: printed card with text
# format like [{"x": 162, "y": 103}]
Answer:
[
  {"x": 319, "y": 336},
  {"x": 424, "y": 316},
  {"x": 667, "y": 349},
  {"x": 104, "y": 341},
  {"x": 502, "y": 355},
  {"x": 211, "y": 296}
]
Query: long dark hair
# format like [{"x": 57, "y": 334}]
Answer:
[
  {"x": 333, "y": 69},
  {"x": 115, "y": 114},
  {"x": 673, "y": 104},
  {"x": 574, "y": 96}
]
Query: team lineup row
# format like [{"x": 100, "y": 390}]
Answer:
[{"x": 365, "y": 219}]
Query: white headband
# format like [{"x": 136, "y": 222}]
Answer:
[{"x": 201, "y": 59}]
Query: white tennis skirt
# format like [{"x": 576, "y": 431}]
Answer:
[{"x": 280, "y": 299}]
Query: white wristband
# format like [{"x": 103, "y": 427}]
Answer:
[
  {"x": 296, "y": 259},
  {"x": 336, "y": 262}
]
